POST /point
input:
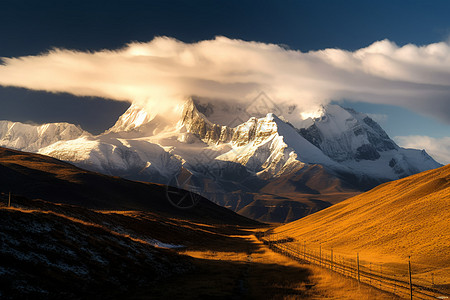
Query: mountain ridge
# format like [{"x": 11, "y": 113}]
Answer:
[{"x": 229, "y": 163}]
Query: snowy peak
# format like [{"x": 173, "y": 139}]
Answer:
[
  {"x": 356, "y": 141},
  {"x": 267, "y": 146},
  {"x": 194, "y": 122},
  {"x": 271, "y": 148},
  {"x": 254, "y": 130},
  {"x": 344, "y": 134},
  {"x": 132, "y": 119},
  {"x": 232, "y": 113},
  {"x": 31, "y": 138}
]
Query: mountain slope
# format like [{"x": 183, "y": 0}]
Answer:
[
  {"x": 39, "y": 176},
  {"x": 392, "y": 221},
  {"x": 60, "y": 255},
  {"x": 345, "y": 134}
]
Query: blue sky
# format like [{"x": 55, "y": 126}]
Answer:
[
  {"x": 399, "y": 121},
  {"x": 34, "y": 27}
]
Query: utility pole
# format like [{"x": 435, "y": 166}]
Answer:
[
  {"x": 410, "y": 278},
  {"x": 9, "y": 199}
]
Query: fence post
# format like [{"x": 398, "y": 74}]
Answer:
[
  {"x": 410, "y": 278},
  {"x": 381, "y": 273},
  {"x": 331, "y": 266},
  {"x": 357, "y": 261},
  {"x": 304, "y": 250},
  {"x": 320, "y": 255},
  {"x": 343, "y": 266},
  {"x": 395, "y": 285}
]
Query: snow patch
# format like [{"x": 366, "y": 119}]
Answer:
[{"x": 159, "y": 244}]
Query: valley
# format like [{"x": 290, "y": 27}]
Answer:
[{"x": 141, "y": 255}]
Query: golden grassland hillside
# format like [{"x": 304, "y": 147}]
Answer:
[{"x": 407, "y": 217}]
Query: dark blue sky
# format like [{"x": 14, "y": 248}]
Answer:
[{"x": 32, "y": 27}]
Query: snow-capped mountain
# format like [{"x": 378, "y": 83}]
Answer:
[
  {"x": 271, "y": 148},
  {"x": 132, "y": 159},
  {"x": 133, "y": 118},
  {"x": 340, "y": 139},
  {"x": 344, "y": 134},
  {"x": 232, "y": 159},
  {"x": 356, "y": 141},
  {"x": 31, "y": 138}
]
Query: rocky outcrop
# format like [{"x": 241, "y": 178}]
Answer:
[{"x": 195, "y": 122}]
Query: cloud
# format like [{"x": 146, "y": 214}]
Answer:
[
  {"x": 439, "y": 149},
  {"x": 164, "y": 71}
]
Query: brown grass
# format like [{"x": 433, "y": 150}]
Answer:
[
  {"x": 261, "y": 274},
  {"x": 387, "y": 224},
  {"x": 334, "y": 286}
]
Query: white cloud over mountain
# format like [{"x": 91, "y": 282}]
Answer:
[
  {"x": 439, "y": 149},
  {"x": 164, "y": 71}
]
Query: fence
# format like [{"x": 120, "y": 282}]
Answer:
[{"x": 395, "y": 280}]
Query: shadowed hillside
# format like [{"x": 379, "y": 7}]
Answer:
[{"x": 43, "y": 177}]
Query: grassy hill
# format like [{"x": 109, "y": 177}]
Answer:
[{"x": 407, "y": 217}]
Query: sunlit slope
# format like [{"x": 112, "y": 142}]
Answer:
[{"x": 410, "y": 216}]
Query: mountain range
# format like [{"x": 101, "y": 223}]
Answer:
[{"x": 258, "y": 160}]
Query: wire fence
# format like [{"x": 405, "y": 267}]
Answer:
[{"x": 398, "y": 280}]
